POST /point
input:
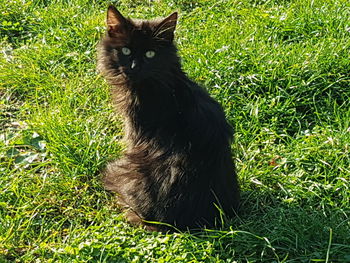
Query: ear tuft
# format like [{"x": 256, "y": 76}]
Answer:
[
  {"x": 116, "y": 22},
  {"x": 165, "y": 29}
]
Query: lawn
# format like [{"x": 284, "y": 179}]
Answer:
[{"x": 279, "y": 68}]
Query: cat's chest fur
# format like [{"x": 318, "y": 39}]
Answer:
[{"x": 159, "y": 108}]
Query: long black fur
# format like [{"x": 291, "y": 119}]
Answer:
[{"x": 177, "y": 168}]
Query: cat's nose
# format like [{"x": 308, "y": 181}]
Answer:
[{"x": 134, "y": 65}]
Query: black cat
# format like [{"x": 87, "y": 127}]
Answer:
[{"x": 177, "y": 168}]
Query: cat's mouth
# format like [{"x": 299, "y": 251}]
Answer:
[{"x": 133, "y": 75}]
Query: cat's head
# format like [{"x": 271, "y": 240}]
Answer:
[{"x": 135, "y": 50}]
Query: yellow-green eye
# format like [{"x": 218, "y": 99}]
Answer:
[
  {"x": 150, "y": 54},
  {"x": 126, "y": 51}
]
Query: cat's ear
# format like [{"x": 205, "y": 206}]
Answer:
[
  {"x": 116, "y": 22},
  {"x": 165, "y": 29}
]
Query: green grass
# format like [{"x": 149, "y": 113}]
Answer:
[{"x": 281, "y": 70}]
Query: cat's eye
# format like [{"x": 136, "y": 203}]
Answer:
[
  {"x": 126, "y": 51},
  {"x": 150, "y": 54}
]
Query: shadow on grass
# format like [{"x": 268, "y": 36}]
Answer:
[{"x": 273, "y": 231}]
